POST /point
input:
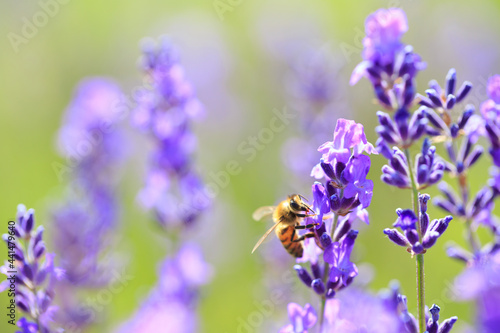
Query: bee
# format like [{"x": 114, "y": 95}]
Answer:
[{"x": 287, "y": 216}]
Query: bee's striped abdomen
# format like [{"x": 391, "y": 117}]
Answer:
[{"x": 287, "y": 237}]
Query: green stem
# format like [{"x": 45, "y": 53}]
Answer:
[
  {"x": 325, "y": 275},
  {"x": 421, "y": 292},
  {"x": 420, "y": 257},
  {"x": 471, "y": 237}
]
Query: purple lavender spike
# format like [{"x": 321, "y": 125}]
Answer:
[{"x": 474, "y": 156}]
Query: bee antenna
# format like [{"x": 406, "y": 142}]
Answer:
[{"x": 303, "y": 197}]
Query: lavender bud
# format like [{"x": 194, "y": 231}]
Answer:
[
  {"x": 434, "y": 97},
  {"x": 454, "y": 130},
  {"x": 474, "y": 156},
  {"x": 430, "y": 239},
  {"x": 396, "y": 237},
  {"x": 417, "y": 248},
  {"x": 464, "y": 118},
  {"x": 463, "y": 91},
  {"x": 382, "y": 96},
  {"x": 412, "y": 236},
  {"x": 451, "y": 79},
  {"x": 458, "y": 253},
  {"x": 422, "y": 199},
  {"x": 342, "y": 229},
  {"x": 450, "y": 102},
  {"x": 303, "y": 275},
  {"x": 435, "y": 120},
  {"x": 29, "y": 222},
  {"x": 325, "y": 240},
  {"x": 330, "y": 293},
  {"x": 447, "y": 325},
  {"x": 318, "y": 286},
  {"x": 316, "y": 270}
]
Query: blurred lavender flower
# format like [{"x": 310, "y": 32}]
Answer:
[
  {"x": 170, "y": 305},
  {"x": 173, "y": 189},
  {"x": 417, "y": 241},
  {"x": 302, "y": 319},
  {"x": 88, "y": 136},
  {"x": 314, "y": 92},
  {"x": 490, "y": 111},
  {"x": 389, "y": 64},
  {"x": 480, "y": 282},
  {"x": 36, "y": 274},
  {"x": 358, "y": 311},
  {"x": 90, "y": 121}
]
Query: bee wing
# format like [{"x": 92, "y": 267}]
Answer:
[
  {"x": 262, "y": 212},
  {"x": 265, "y": 236}
]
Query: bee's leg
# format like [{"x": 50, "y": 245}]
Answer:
[
  {"x": 301, "y": 238},
  {"x": 307, "y": 226}
]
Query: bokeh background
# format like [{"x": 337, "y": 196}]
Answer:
[{"x": 239, "y": 61}]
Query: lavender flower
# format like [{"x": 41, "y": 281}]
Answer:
[
  {"x": 389, "y": 64},
  {"x": 91, "y": 121},
  {"x": 35, "y": 275},
  {"x": 314, "y": 91},
  {"x": 173, "y": 190},
  {"x": 346, "y": 193},
  {"x": 480, "y": 282},
  {"x": 89, "y": 137},
  {"x": 169, "y": 307},
  {"x": 429, "y": 168},
  {"x": 346, "y": 168},
  {"x": 402, "y": 132},
  {"x": 302, "y": 319},
  {"x": 356, "y": 310},
  {"x": 445, "y": 99},
  {"x": 417, "y": 241},
  {"x": 490, "y": 110}
]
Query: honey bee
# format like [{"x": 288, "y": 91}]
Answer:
[{"x": 287, "y": 216}]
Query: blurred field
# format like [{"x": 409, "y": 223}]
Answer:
[{"x": 236, "y": 60}]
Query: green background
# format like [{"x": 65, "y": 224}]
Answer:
[{"x": 238, "y": 67}]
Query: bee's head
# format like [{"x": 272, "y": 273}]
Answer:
[{"x": 298, "y": 205}]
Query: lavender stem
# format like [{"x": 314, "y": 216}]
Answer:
[{"x": 420, "y": 257}]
